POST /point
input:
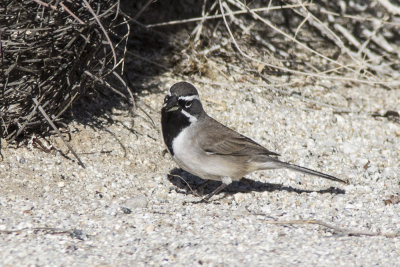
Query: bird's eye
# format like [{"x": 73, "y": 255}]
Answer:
[
  {"x": 188, "y": 104},
  {"x": 166, "y": 98}
]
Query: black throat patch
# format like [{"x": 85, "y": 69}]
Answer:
[{"x": 172, "y": 123}]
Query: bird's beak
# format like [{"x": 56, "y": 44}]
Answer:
[
  {"x": 173, "y": 108},
  {"x": 172, "y": 104}
]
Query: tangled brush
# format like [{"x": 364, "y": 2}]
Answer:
[{"x": 51, "y": 53}]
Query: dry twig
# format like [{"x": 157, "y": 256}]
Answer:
[
  {"x": 58, "y": 131},
  {"x": 74, "y": 233},
  {"x": 204, "y": 18},
  {"x": 336, "y": 229}
]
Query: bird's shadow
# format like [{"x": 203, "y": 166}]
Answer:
[{"x": 191, "y": 183}]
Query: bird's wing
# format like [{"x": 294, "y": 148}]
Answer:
[{"x": 229, "y": 142}]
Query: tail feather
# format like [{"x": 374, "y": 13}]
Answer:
[{"x": 312, "y": 172}]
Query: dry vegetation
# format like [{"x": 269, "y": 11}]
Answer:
[
  {"x": 345, "y": 40},
  {"x": 53, "y": 51}
]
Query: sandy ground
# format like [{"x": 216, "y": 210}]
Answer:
[{"x": 122, "y": 209}]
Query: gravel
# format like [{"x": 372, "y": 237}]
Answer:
[{"x": 124, "y": 210}]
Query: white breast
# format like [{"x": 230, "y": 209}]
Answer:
[
  {"x": 184, "y": 153},
  {"x": 191, "y": 158}
]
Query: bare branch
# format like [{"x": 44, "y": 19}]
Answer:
[{"x": 58, "y": 131}]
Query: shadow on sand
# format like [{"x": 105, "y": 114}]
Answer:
[{"x": 204, "y": 187}]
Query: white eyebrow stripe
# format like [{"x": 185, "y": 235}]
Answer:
[
  {"x": 191, "y": 117},
  {"x": 189, "y": 97}
]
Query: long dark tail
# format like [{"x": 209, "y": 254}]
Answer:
[{"x": 312, "y": 172}]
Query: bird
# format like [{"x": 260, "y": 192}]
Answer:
[{"x": 210, "y": 150}]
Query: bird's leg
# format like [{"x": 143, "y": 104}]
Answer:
[
  {"x": 200, "y": 188},
  {"x": 225, "y": 182}
]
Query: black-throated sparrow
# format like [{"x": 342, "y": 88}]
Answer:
[{"x": 210, "y": 150}]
